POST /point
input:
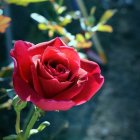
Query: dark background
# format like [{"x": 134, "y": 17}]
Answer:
[{"x": 114, "y": 113}]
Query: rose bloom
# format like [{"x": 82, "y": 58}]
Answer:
[{"x": 52, "y": 76}]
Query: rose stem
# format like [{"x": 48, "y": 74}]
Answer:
[
  {"x": 30, "y": 113},
  {"x": 32, "y": 121},
  {"x": 17, "y": 127},
  {"x": 17, "y": 122}
]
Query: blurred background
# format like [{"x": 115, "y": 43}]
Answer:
[{"x": 105, "y": 31}]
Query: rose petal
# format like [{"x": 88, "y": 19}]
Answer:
[
  {"x": 90, "y": 66},
  {"x": 36, "y": 59},
  {"x": 20, "y": 53},
  {"x": 20, "y": 85},
  {"x": 39, "y": 48},
  {"x": 63, "y": 77},
  {"x": 26, "y": 93},
  {"x": 53, "y": 86},
  {"x": 93, "y": 84},
  {"x": 36, "y": 83},
  {"x": 75, "y": 89},
  {"x": 43, "y": 72},
  {"x": 73, "y": 58},
  {"x": 54, "y": 55},
  {"x": 69, "y": 93},
  {"x": 51, "y": 105}
]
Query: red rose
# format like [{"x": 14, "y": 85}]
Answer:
[{"x": 52, "y": 76}]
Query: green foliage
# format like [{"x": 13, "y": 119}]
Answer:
[
  {"x": 6, "y": 72},
  {"x": 18, "y": 104},
  {"x": 23, "y": 2},
  {"x": 43, "y": 125},
  {"x": 106, "y": 16},
  {"x": 10, "y": 137}
]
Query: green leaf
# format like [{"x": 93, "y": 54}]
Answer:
[
  {"x": 10, "y": 93},
  {"x": 106, "y": 16},
  {"x": 50, "y": 33},
  {"x": 23, "y": 2},
  {"x": 80, "y": 38},
  {"x": 92, "y": 11},
  {"x": 39, "y": 18},
  {"x": 105, "y": 28},
  {"x": 65, "y": 20},
  {"x": 61, "y": 10},
  {"x": 75, "y": 14},
  {"x": 33, "y": 131},
  {"x": 60, "y": 2},
  {"x": 10, "y": 137},
  {"x": 43, "y": 125},
  {"x": 90, "y": 21},
  {"x": 87, "y": 35},
  {"x": 42, "y": 26}
]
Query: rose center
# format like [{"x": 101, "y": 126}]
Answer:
[
  {"x": 53, "y": 64},
  {"x": 60, "y": 68}
]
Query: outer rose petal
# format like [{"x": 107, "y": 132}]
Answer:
[
  {"x": 94, "y": 83},
  {"x": 90, "y": 88},
  {"x": 90, "y": 66},
  {"x": 39, "y": 48},
  {"x": 26, "y": 93},
  {"x": 20, "y": 53},
  {"x": 36, "y": 83}
]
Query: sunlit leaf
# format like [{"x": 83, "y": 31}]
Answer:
[
  {"x": 65, "y": 20},
  {"x": 106, "y": 16},
  {"x": 61, "y": 9},
  {"x": 83, "y": 45},
  {"x": 105, "y": 28},
  {"x": 43, "y": 125},
  {"x": 75, "y": 14},
  {"x": 59, "y": 29},
  {"x": 39, "y": 18},
  {"x": 50, "y": 33},
  {"x": 80, "y": 38},
  {"x": 87, "y": 35},
  {"x": 42, "y": 26},
  {"x": 4, "y": 23},
  {"x": 92, "y": 11},
  {"x": 23, "y": 2},
  {"x": 90, "y": 21},
  {"x": 33, "y": 131}
]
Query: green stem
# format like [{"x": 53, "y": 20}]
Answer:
[
  {"x": 17, "y": 122},
  {"x": 94, "y": 38},
  {"x": 34, "y": 118},
  {"x": 30, "y": 113},
  {"x": 17, "y": 127}
]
